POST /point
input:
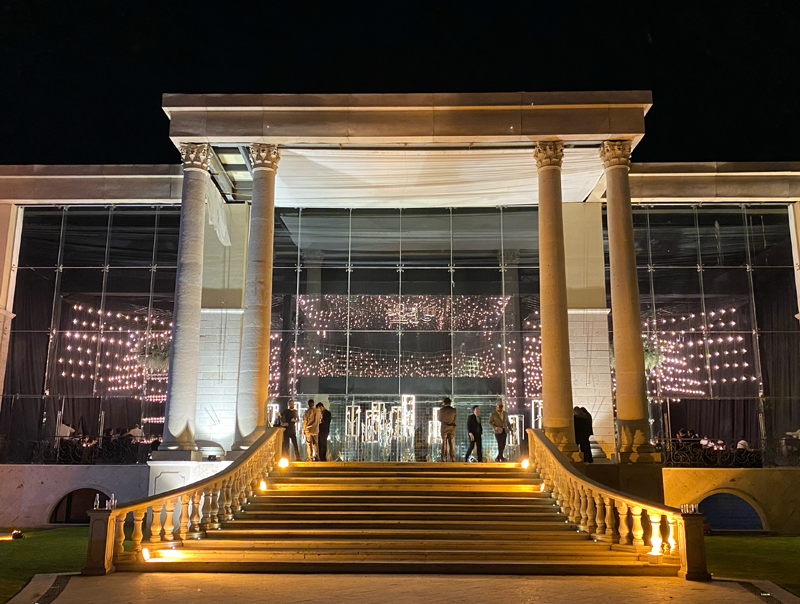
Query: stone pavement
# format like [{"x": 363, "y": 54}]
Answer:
[{"x": 177, "y": 588}]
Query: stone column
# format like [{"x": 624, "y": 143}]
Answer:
[
  {"x": 184, "y": 358},
  {"x": 633, "y": 423},
  {"x": 251, "y": 402},
  {"x": 556, "y": 376}
]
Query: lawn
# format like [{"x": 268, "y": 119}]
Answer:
[
  {"x": 775, "y": 559},
  {"x": 59, "y": 550}
]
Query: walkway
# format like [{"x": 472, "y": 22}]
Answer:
[{"x": 177, "y": 588}]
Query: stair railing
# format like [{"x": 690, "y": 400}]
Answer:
[
  {"x": 627, "y": 523},
  {"x": 184, "y": 513}
]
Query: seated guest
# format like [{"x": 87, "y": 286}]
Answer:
[
  {"x": 742, "y": 444},
  {"x": 705, "y": 441}
]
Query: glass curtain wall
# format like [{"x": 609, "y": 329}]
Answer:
[
  {"x": 93, "y": 303},
  {"x": 371, "y": 307},
  {"x": 718, "y": 299}
]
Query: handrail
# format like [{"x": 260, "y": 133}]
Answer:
[
  {"x": 185, "y": 512},
  {"x": 615, "y": 517}
]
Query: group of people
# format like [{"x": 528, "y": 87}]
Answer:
[
  {"x": 691, "y": 437},
  {"x": 498, "y": 421},
  {"x": 316, "y": 427}
]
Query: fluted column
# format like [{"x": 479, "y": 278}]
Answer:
[
  {"x": 556, "y": 376},
  {"x": 253, "y": 392},
  {"x": 184, "y": 358},
  {"x": 631, "y": 392}
]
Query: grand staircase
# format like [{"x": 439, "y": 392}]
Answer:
[{"x": 401, "y": 518}]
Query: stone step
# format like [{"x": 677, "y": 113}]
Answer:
[
  {"x": 554, "y": 531},
  {"x": 441, "y": 524},
  {"x": 543, "y": 542},
  {"x": 472, "y": 507},
  {"x": 469, "y": 517},
  {"x": 402, "y": 566},
  {"x": 402, "y": 479},
  {"x": 430, "y": 496},
  {"x": 371, "y": 474},
  {"x": 404, "y": 465},
  {"x": 401, "y": 484}
]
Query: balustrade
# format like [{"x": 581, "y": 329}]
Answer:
[
  {"x": 200, "y": 507},
  {"x": 616, "y": 518}
]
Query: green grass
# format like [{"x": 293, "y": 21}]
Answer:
[
  {"x": 61, "y": 550},
  {"x": 775, "y": 559}
]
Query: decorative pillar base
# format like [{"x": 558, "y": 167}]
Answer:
[
  {"x": 558, "y": 437},
  {"x": 176, "y": 455},
  {"x": 243, "y": 443},
  {"x": 643, "y": 454}
]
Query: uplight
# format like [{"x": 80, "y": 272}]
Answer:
[
  {"x": 283, "y": 463},
  {"x": 263, "y": 485},
  {"x": 145, "y": 554},
  {"x": 526, "y": 463}
]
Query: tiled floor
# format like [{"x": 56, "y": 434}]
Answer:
[{"x": 176, "y": 588}]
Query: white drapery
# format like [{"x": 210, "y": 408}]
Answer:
[
  {"x": 217, "y": 213},
  {"x": 352, "y": 178}
]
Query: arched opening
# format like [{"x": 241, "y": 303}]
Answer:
[
  {"x": 725, "y": 511},
  {"x": 72, "y": 507}
]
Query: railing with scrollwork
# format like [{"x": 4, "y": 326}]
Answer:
[
  {"x": 65, "y": 450},
  {"x": 630, "y": 524},
  {"x": 692, "y": 454},
  {"x": 184, "y": 513}
]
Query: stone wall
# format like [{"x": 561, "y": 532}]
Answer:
[
  {"x": 591, "y": 371},
  {"x": 217, "y": 381},
  {"x": 774, "y": 493},
  {"x": 29, "y": 493}
]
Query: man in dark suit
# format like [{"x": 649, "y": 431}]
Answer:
[
  {"x": 475, "y": 430},
  {"x": 324, "y": 430}
]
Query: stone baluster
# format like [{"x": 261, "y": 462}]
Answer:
[
  {"x": 205, "y": 513},
  {"x": 155, "y": 523},
  {"x": 584, "y": 514},
  {"x": 215, "y": 505},
  {"x": 234, "y": 495},
  {"x": 183, "y": 521},
  {"x": 611, "y": 522},
  {"x": 624, "y": 531},
  {"x": 600, "y": 516},
  {"x": 591, "y": 513},
  {"x": 119, "y": 535},
  {"x": 136, "y": 537},
  {"x": 195, "y": 517},
  {"x": 227, "y": 500},
  {"x": 561, "y": 499},
  {"x": 638, "y": 529},
  {"x": 576, "y": 503},
  {"x": 169, "y": 525},
  {"x": 671, "y": 541},
  {"x": 655, "y": 532}
]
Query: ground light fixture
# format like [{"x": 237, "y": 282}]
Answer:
[
  {"x": 263, "y": 485},
  {"x": 145, "y": 554},
  {"x": 283, "y": 463},
  {"x": 526, "y": 463}
]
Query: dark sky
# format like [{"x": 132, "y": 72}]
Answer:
[{"x": 81, "y": 81}]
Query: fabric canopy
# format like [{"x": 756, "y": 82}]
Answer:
[{"x": 348, "y": 178}]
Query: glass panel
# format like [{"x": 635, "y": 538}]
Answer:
[
  {"x": 426, "y": 363},
  {"x": 476, "y": 237},
  {"x": 323, "y": 235},
  {"x": 33, "y": 299},
  {"x": 770, "y": 239},
  {"x": 426, "y": 302},
  {"x": 775, "y": 295},
  {"x": 373, "y": 364},
  {"x": 374, "y": 299},
  {"x": 722, "y": 236},
  {"x": 780, "y": 357},
  {"x": 521, "y": 236},
  {"x": 41, "y": 230},
  {"x": 478, "y": 303},
  {"x": 26, "y": 363},
  {"x": 639, "y": 235},
  {"x": 478, "y": 362},
  {"x": 426, "y": 237},
  {"x": 285, "y": 240},
  {"x": 74, "y": 369},
  {"x": 85, "y": 237},
  {"x": 132, "y": 237},
  {"x": 677, "y": 294},
  {"x": 673, "y": 237},
  {"x": 727, "y": 297},
  {"x": 375, "y": 238},
  {"x": 169, "y": 223}
]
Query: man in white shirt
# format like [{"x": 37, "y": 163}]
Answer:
[
  {"x": 136, "y": 431},
  {"x": 64, "y": 430},
  {"x": 311, "y": 421}
]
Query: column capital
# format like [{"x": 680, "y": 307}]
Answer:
[
  {"x": 264, "y": 156},
  {"x": 549, "y": 154},
  {"x": 616, "y": 153},
  {"x": 195, "y": 156}
]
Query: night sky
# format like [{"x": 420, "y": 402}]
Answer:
[{"x": 81, "y": 81}]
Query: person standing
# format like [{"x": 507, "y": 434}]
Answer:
[
  {"x": 501, "y": 425},
  {"x": 475, "y": 429},
  {"x": 447, "y": 419},
  {"x": 583, "y": 430},
  {"x": 289, "y": 423},
  {"x": 324, "y": 430},
  {"x": 311, "y": 420}
]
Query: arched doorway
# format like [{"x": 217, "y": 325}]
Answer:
[
  {"x": 72, "y": 507},
  {"x": 725, "y": 511}
]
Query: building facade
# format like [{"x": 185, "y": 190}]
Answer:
[{"x": 379, "y": 252}]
